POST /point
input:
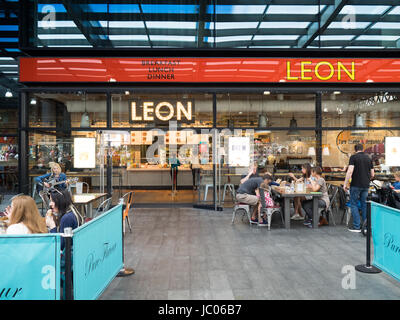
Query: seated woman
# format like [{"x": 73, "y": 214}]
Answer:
[
  {"x": 24, "y": 217},
  {"x": 56, "y": 174},
  {"x": 61, "y": 214},
  {"x": 317, "y": 184},
  {"x": 306, "y": 171}
]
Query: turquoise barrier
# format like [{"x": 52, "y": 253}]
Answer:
[
  {"x": 97, "y": 254},
  {"x": 30, "y": 267},
  {"x": 385, "y": 225}
]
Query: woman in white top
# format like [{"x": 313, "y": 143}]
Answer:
[{"x": 24, "y": 217}]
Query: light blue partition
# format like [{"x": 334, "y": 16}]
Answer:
[
  {"x": 385, "y": 227},
  {"x": 97, "y": 254},
  {"x": 30, "y": 267}
]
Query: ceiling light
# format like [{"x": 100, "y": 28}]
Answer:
[
  {"x": 33, "y": 101},
  {"x": 267, "y": 92},
  {"x": 336, "y": 92},
  {"x": 8, "y": 94},
  {"x": 293, "y": 128},
  {"x": 126, "y": 93}
]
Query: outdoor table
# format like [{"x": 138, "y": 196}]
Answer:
[
  {"x": 85, "y": 201},
  {"x": 286, "y": 203}
]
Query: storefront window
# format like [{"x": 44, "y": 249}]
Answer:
[
  {"x": 67, "y": 110},
  {"x": 265, "y": 110},
  {"x": 8, "y": 119},
  {"x": 76, "y": 161},
  {"x": 338, "y": 146},
  {"x": 8, "y": 164},
  {"x": 158, "y": 110},
  {"x": 360, "y": 110}
]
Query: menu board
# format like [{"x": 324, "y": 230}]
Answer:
[
  {"x": 392, "y": 151},
  {"x": 85, "y": 153},
  {"x": 239, "y": 151}
]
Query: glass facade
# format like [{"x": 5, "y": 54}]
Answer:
[
  {"x": 214, "y": 24},
  {"x": 67, "y": 110},
  {"x": 148, "y": 130}
]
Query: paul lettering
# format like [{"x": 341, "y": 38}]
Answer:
[{"x": 323, "y": 70}]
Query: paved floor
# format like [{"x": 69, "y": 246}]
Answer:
[{"x": 187, "y": 253}]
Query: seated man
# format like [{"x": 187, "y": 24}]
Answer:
[{"x": 248, "y": 193}]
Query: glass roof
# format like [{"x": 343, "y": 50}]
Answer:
[{"x": 308, "y": 24}]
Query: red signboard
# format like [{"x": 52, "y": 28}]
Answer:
[{"x": 202, "y": 70}]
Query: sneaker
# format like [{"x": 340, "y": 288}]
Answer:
[
  {"x": 307, "y": 222},
  {"x": 297, "y": 217},
  {"x": 263, "y": 223},
  {"x": 352, "y": 229},
  {"x": 254, "y": 221}
]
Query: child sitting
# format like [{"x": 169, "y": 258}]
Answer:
[
  {"x": 269, "y": 203},
  {"x": 396, "y": 185}
]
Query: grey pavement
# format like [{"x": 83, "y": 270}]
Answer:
[{"x": 194, "y": 254}]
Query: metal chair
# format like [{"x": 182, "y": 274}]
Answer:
[
  {"x": 231, "y": 188},
  {"x": 70, "y": 186},
  {"x": 328, "y": 211},
  {"x": 103, "y": 207},
  {"x": 128, "y": 201},
  {"x": 241, "y": 206},
  {"x": 45, "y": 200},
  {"x": 268, "y": 210}
]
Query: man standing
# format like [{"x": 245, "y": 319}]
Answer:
[
  {"x": 248, "y": 193},
  {"x": 360, "y": 171}
]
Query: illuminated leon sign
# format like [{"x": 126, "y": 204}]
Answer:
[
  {"x": 323, "y": 70},
  {"x": 161, "y": 111}
]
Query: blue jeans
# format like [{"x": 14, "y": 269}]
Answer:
[{"x": 356, "y": 194}]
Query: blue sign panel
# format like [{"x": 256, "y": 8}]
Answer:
[
  {"x": 30, "y": 267},
  {"x": 97, "y": 254},
  {"x": 385, "y": 226}
]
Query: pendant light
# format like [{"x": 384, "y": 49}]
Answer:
[
  {"x": 293, "y": 128},
  {"x": 262, "y": 120},
  {"x": 8, "y": 94},
  {"x": 359, "y": 122},
  {"x": 85, "y": 120}
]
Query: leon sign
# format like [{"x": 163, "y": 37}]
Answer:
[{"x": 161, "y": 111}]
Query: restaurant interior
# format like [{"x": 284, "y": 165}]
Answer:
[{"x": 281, "y": 131}]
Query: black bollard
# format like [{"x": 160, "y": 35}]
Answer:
[
  {"x": 368, "y": 268},
  {"x": 68, "y": 264}
]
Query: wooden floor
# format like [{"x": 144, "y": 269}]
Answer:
[{"x": 166, "y": 196}]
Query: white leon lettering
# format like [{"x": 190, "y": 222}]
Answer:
[
  {"x": 181, "y": 109},
  {"x": 147, "y": 108},
  {"x": 163, "y": 111},
  {"x": 170, "y": 114},
  {"x": 133, "y": 112}
]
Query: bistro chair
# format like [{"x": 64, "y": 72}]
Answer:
[
  {"x": 328, "y": 212},
  {"x": 241, "y": 206},
  {"x": 269, "y": 211},
  {"x": 70, "y": 186},
  {"x": 103, "y": 207},
  {"x": 128, "y": 201}
]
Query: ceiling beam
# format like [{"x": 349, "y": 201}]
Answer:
[
  {"x": 95, "y": 36},
  {"x": 317, "y": 28},
  {"x": 201, "y": 23}
]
